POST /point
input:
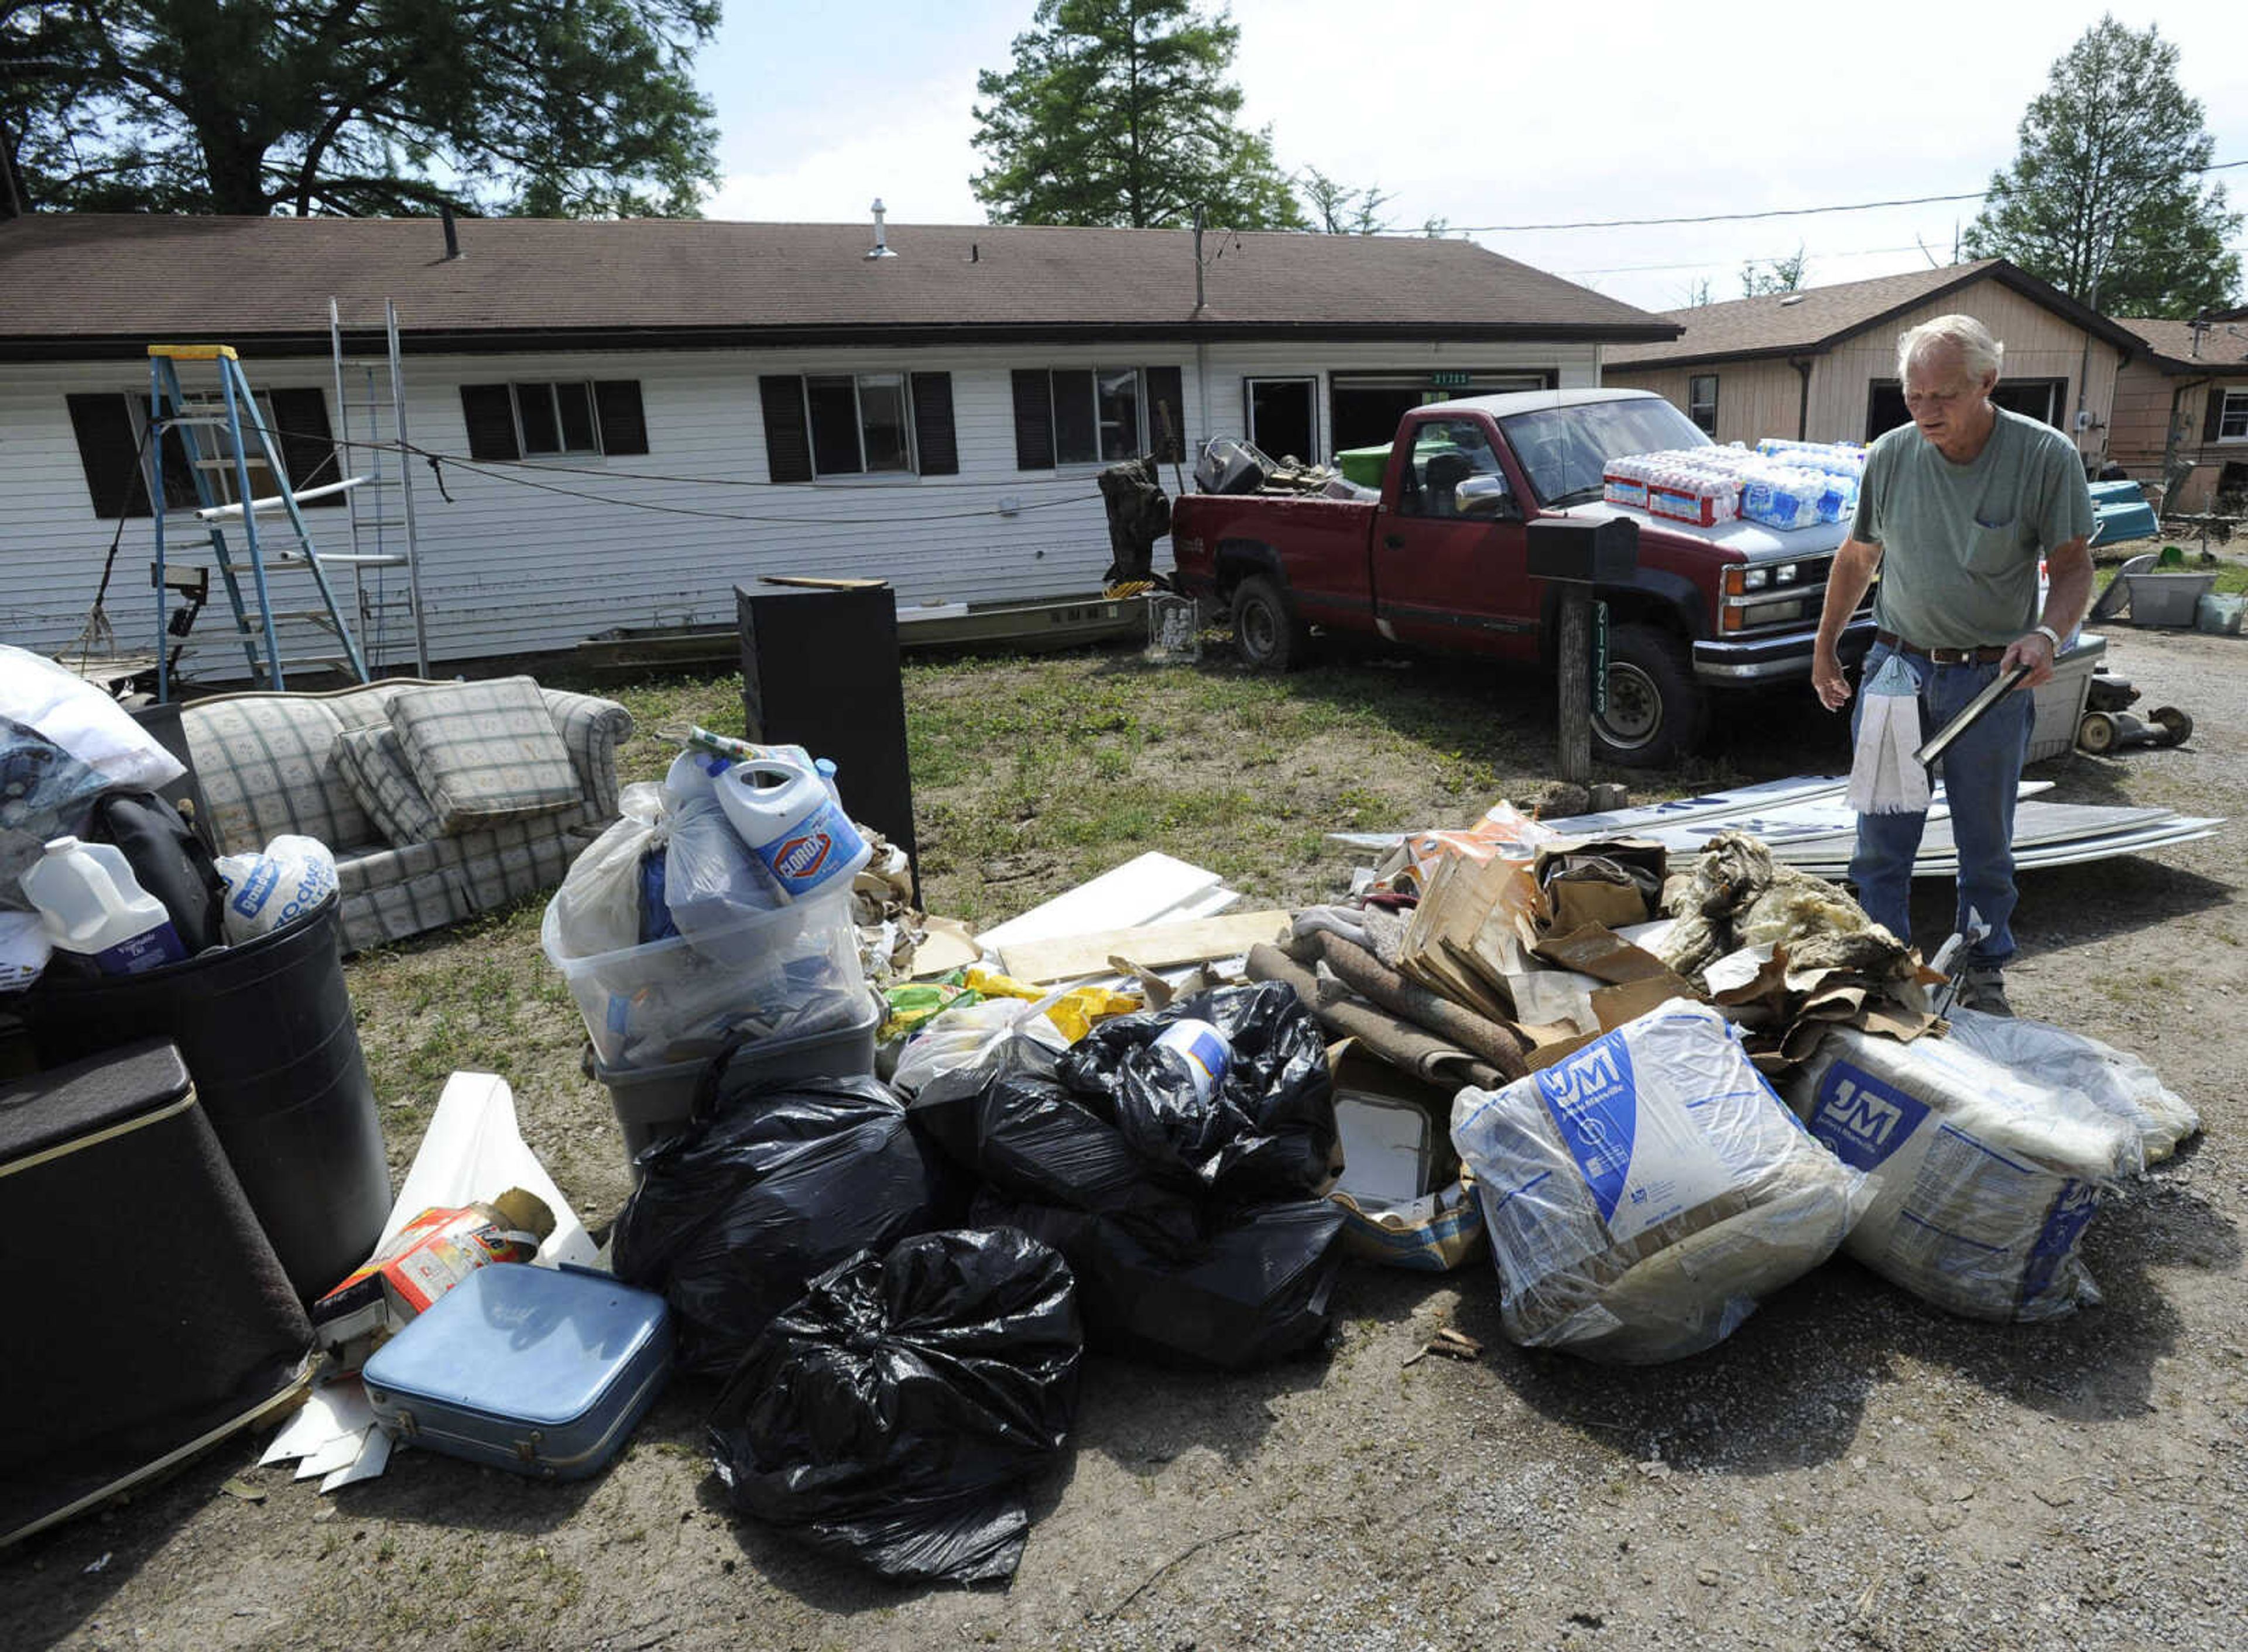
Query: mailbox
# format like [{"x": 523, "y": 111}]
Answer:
[{"x": 1604, "y": 552}]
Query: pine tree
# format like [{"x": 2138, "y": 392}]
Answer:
[
  {"x": 2105, "y": 198},
  {"x": 1118, "y": 112}
]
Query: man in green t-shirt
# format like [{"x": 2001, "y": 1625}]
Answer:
[{"x": 1956, "y": 509}]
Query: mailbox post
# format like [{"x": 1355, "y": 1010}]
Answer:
[{"x": 1578, "y": 557}]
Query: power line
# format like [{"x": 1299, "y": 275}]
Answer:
[
  {"x": 1780, "y": 212},
  {"x": 1856, "y": 252}
]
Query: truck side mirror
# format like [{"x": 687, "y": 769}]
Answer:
[{"x": 1487, "y": 497}]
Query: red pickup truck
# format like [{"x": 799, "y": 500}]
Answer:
[{"x": 1438, "y": 560}]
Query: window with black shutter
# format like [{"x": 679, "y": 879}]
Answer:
[
  {"x": 108, "y": 426},
  {"x": 300, "y": 431},
  {"x": 552, "y": 419},
  {"x": 1095, "y": 416},
  {"x": 849, "y": 424}
]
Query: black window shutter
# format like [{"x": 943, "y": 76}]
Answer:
[
  {"x": 933, "y": 429},
  {"x": 1034, "y": 445},
  {"x": 489, "y": 410},
  {"x": 300, "y": 431},
  {"x": 109, "y": 454},
  {"x": 179, "y": 477},
  {"x": 2210, "y": 420},
  {"x": 1167, "y": 394},
  {"x": 788, "y": 443},
  {"x": 624, "y": 425}
]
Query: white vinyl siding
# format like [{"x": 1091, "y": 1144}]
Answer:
[{"x": 508, "y": 568}]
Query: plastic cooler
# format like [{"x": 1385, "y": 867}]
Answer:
[
  {"x": 774, "y": 973},
  {"x": 654, "y": 1102},
  {"x": 2060, "y": 702}
]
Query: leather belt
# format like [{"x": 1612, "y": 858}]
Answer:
[{"x": 1941, "y": 656}]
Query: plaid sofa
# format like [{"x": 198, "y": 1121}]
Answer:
[{"x": 266, "y": 764}]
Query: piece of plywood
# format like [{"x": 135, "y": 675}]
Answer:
[
  {"x": 1153, "y": 946},
  {"x": 1135, "y": 893}
]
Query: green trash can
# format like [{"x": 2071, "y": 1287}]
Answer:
[{"x": 1364, "y": 465}]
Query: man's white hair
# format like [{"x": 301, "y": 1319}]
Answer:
[{"x": 1978, "y": 352}]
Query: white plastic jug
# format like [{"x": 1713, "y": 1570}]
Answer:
[
  {"x": 783, "y": 813},
  {"x": 91, "y": 904}
]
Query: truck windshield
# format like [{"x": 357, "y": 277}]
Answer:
[{"x": 1564, "y": 450}]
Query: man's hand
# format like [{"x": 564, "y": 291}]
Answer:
[
  {"x": 2034, "y": 651},
  {"x": 1827, "y": 676}
]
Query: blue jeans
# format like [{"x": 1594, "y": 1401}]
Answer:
[{"x": 1981, "y": 773}]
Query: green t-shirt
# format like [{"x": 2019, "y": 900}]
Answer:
[{"x": 1960, "y": 543}]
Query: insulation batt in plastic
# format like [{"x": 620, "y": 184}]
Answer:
[
  {"x": 1643, "y": 1193},
  {"x": 1984, "y": 1180}
]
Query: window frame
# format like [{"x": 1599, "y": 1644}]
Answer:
[
  {"x": 552, "y": 387},
  {"x": 1141, "y": 442},
  {"x": 1694, "y": 402},
  {"x": 1417, "y": 504},
  {"x": 862, "y": 475},
  {"x": 1310, "y": 381},
  {"x": 2234, "y": 405}
]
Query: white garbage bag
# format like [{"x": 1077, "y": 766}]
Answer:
[
  {"x": 65, "y": 708},
  {"x": 1644, "y": 1192},
  {"x": 597, "y": 908},
  {"x": 1984, "y": 1179}
]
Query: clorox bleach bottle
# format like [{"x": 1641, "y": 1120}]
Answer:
[
  {"x": 785, "y": 814},
  {"x": 91, "y": 904}
]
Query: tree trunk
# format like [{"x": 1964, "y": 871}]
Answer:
[{"x": 237, "y": 177}]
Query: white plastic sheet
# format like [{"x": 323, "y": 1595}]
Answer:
[
  {"x": 2114, "y": 1081},
  {"x": 82, "y": 721}
]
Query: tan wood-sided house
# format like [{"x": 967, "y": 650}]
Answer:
[
  {"x": 2181, "y": 411},
  {"x": 1820, "y": 365}
]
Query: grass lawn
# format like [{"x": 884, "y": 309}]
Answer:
[{"x": 1031, "y": 775}]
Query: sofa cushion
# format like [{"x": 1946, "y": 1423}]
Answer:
[
  {"x": 267, "y": 765},
  {"x": 483, "y": 752},
  {"x": 374, "y": 765}
]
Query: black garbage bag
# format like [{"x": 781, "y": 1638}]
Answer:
[
  {"x": 734, "y": 1215},
  {"x": 169, "y": 860},
  {"x": 1265, "y": 1131},
  {"x": 1256, "y": 1291},
  {"x": 1032, "y": 1141},
  {"x": 892, "y": 1416}
]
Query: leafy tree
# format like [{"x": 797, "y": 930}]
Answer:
[
  {"x": 1338, "y": 209},
  {"x": 355, "y": 106},
  {"x": 1697, "y": 293},
  {"x": 1435, "y": 228},
  {"x": 1777, "y": 274},
  {"x": 1118, "y": 112},
  {"x": 2104, "y": 197}
]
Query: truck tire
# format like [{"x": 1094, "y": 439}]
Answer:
[
  {"x": 1266, "y": 634},
  {"x": 1654, "y": 708}
]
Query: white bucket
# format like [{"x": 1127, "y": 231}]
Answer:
[
  {"x": 91, "y": 904},
  {"x": 783, "y": 813}
]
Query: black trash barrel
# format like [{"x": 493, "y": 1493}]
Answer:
[{"x": 265, "y": 1029}]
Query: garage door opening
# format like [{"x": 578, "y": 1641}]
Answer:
[{"x": 2041, "y": 398}]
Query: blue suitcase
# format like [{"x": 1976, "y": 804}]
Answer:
[{"x": 540, "y": 1371}]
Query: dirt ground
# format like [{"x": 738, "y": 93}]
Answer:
[{"x": 1851, "y": 1468}]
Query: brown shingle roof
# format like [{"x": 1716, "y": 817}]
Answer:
[
  {"x": 1817, "y": 318},
  {"x": 71, "y": 280},
  {"x": 2219, "y": 348}
]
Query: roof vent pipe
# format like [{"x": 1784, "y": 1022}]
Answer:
[
  {"x": 452, "y": 234},
  {"x": 881, "y": 246}
]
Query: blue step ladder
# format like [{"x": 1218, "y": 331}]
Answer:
[{"x": 222, "y": 433}]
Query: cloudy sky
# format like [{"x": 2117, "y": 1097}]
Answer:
[{"x": 1496, "y": 114}]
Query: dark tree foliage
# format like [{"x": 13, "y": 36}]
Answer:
[
  {"x": 560, "y": 107},
  {"x": 2105, "y": 198},
  {"x": 1118, "y": 112}
]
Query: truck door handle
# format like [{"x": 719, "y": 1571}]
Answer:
[{"x": 1395, "y": 541}]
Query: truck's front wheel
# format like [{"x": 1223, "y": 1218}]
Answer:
[
  {"x": 1265, "y": 633},
  {"x": 1655, "y": 710}
]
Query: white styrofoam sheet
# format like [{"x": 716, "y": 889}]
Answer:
[{"x": 1118, "y": 899}]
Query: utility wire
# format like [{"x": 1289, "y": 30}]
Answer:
[
  {"x": 1857, "y": 252},
  {"x": 1795, "y": 212}
]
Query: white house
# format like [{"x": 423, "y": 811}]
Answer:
[{"x": 632, "y": 416}]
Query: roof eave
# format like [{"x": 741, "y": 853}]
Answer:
[{"x": 508, "y": 340}]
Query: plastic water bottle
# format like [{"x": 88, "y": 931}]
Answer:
[
  {"x": 91, "y": 904},
  {"x": 783, "y": 813}
]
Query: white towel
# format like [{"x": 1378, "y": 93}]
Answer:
[{"x": 1885, "y": 777}]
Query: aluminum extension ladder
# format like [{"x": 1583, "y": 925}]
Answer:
[
  {"x": 371, "y": 434},
  {"x": 223, "y": 433}
]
